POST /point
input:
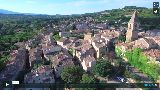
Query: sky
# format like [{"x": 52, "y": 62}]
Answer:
[{"x": 67, "y": 7}]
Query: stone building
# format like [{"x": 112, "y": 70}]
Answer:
[
  {"x": 100, "y": 46},
  {"x": 145, "y": 43},
  {"x": 88, "y": 36},
  {"x": 88, "y": 63},
  {"x": 133, "y": 25}
]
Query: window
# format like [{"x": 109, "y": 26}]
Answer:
[{"x": 130, "y": 26}]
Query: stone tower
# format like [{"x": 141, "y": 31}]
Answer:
[{"x": 133, "y": 26}]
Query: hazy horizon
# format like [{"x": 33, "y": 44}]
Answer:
[{"x": 68, "y": 7}]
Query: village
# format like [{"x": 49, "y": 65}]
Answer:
[{"x": 45, "y": 62}]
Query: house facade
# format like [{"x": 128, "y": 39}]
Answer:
[
  {"x": 88, "y": 63},
  {"x": 64, "y": 42},
  {"x": 100, "y": 47},
  {"x": 88, "y": 36}
]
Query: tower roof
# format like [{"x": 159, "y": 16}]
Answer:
[{"x": 134, "y": 18}]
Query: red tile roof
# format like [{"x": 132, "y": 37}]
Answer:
[{"x": 154, "y": 53}]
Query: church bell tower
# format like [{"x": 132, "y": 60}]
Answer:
[{"x": 133, "y": 26}]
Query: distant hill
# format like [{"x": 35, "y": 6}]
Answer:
[
  {"x": 2, "y": 11},
  {"x": 134, "y": 7}
]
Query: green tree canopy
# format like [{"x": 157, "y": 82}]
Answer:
[
  {"x": 3, "y": 59},
  {"x": 102, "y": 68},
  {"x": 72, "y": 74},
  {"x": 143, "y": 63},
  {"x": 56, "y": 37},
  {"x": 88, "y": 79},
  {"x": 122, "y": 38}
]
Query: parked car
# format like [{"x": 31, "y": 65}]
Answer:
[{"x": 122, "y": 79}]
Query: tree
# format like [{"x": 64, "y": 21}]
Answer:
[
  {"x": 56, "y": 37},
  {"x": 127, "y": 74},
  {"x": 3, "y": 59},
  {"x": 118, "y": 51},
  {"x": 71, "y": 51},
  {"x": 122, "y": 38},
  {"x": 72, "y": 74},
  {"x": 102, "y": 68},
  {"x": 87, "y": 79}
]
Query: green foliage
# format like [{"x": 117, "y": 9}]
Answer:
[
  {"x": 122, "y": 38},
  {"x": 136, "y": 77},
  {"x": 133, "y": 7},
  {"x": 8, "y": 41},
  {"x": 17, "y": 28},
  {"x": 80, "y": 35},
  {"x": 148, "y": 20},
  {"x": 140, "y": 61},
  {"x": 41, "y": 62},
  {"x": 88, "y": 79},
  {"x": 135, "y": 56},
  {"x": 128, "y": 55},
  {"x": 56, "y": 37},
  {"x": 127, "y": 74},
  {"x": 3, "y": 59},
  {"x": 46, "y": 62},
  {"x": 37, "y": 65},
  {"x": 102, "y": 68},
  {"x": 118, "y": 51},
  {"x": 55, "y": 32},
  {"x": 34, "y": 44},
  {"x": 72, "y": 74},
  {"x": 146, "y": 88},
  {"x": 71, "y": 51}
]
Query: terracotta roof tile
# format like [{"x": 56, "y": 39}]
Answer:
[{"x": 154, "y": 53}]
